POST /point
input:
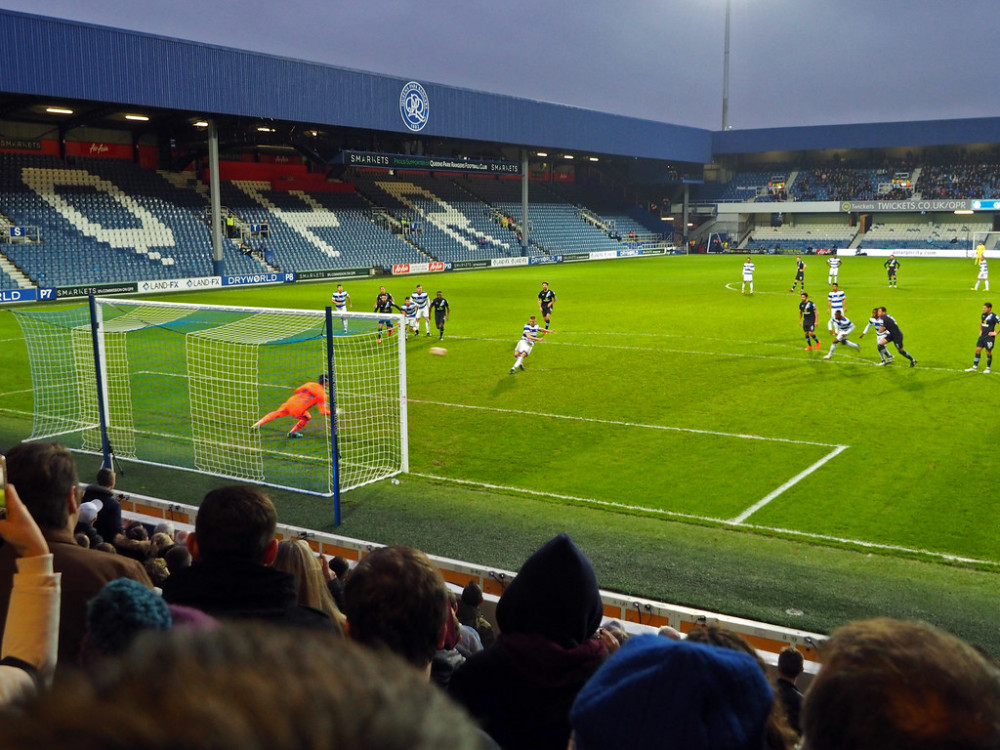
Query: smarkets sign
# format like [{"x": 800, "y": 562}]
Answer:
[{"x": 414, "y": 106}]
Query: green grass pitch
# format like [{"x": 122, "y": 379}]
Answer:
[{"x": 666, "y": 411}]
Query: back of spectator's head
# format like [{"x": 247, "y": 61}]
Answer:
[
  {"x": 554, "y": 595},
  {"x": 177, "y": 557},
  {"x": 137, "y": 532},
  {"x": 790, "y": 663},
  {"x": 159, "y": 544},
  {"x": 657, "y": 692},
  {"x": 244, "y": 687},
  {"x": 46, "y": 480},
  {"x": 397, "y": 599},
  {"x": 106, "y": 477},
  {"x": 235, "y": 523},
  {"x": 472, "y": 594},
  {"x": 165, "y": 527},
  {"x": 107, "y": 547},
  {"x": 901, "y": 685},
  {"x": 157, "y": 570},
  {"x": 295, "y": 556},
  {"x": 340, "y": 566}
]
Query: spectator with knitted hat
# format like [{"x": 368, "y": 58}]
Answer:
[
  {"x": 658, "y": 692},
  {"x": 521, "y": 688}
]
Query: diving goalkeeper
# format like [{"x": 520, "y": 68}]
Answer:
[{"x": 306, "y": 396}]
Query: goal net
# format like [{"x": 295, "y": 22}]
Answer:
[{"x": 184, "y": 385}]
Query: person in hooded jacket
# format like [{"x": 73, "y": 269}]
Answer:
[{"x": 521, "y": 688}]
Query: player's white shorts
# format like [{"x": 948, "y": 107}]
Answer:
[
  {"x": 523, "y": 347},
  {"x": 413, "y": 323},
  {"x": 834, "y": 272},
  {"x": 983, "y": 275},
  {"x": 882, "y": 340},
  {"x": 424, "y": 312},
  {"x": 339, "y": 310},
  {"x": 747, "y": 277}
]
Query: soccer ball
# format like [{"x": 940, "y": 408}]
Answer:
[{"x": 438, "y": 351}]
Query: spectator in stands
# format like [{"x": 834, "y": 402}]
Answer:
[
  {"x": 778, "y": 735},
  {"x": 448, "y": 658},
  {"x": 85, "y": 523},
  {"x": 46, "y": 478},
  {"x": 134, "y": 542},
  {"x": 521, "y": 688},
  {"x": 233, "y": 546},
  {"x": 122, "y": 611},
  {"x": 157, "y": 570},
  {"x": 898, "y": 685},
  {"x": 244, "y": 686},
  {"x": 658, "y": 692},
  {"x": 396, "y": 599},
  {"x": 31, "y": 633},
  {"x": 470, "y": 614},
  {"x": 295, "y": 556},
  {"x": 177, "y": 557},
  {"x": 159, "y": 544},
  {"x": 790, "y": 666},
  {"x": 109, "y": 517},
  {"x": 335, "y": 570}
]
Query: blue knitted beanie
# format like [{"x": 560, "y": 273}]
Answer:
[
  {"x": 120, "y": 611},
  {"x": 657, "y": 692}
]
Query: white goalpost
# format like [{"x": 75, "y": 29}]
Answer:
[
  {"x": 182, "y": 385},
  {"x": 991, "y": 240}
]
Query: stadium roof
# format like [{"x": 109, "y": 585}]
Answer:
[{"x": 106, "y": 72}]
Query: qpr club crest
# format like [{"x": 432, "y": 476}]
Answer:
[{"x": 414, "y": 106}]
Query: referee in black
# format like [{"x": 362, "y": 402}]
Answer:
[
  {"x": 894, "y": 334},
  {"x": 546, "y": 301}
]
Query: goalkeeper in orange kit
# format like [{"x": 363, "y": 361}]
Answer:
[{"x": 306, "y": 396}]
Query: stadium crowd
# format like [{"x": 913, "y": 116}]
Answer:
[{"x": 260, "y": 644}]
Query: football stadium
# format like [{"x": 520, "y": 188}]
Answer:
[{"x": 192, "y": 279}]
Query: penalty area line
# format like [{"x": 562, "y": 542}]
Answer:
[
  {"x": 620, "y": 423},
  {"x": 787, "y": 485},
  {"x": 805, "y": 535}
]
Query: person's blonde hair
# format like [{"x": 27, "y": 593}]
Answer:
[{"x": 295, "y": 556}]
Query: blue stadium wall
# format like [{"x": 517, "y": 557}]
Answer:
[{"x": 55, "y": 58}]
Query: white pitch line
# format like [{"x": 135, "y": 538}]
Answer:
[
  {"x": 777, "y": 294},
  {"x": 689, "y": 516},
  {"x": 621, "y": 423},
  {"x": 787, "y": 485}
]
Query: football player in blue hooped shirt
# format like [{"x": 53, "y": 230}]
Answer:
[
  {"x": 529, "y": 336},
  {"x": 420, "y": 299}
]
